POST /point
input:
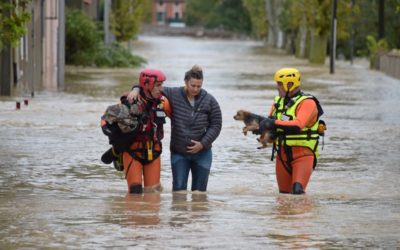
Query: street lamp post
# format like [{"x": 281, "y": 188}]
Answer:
[{"x": 333, "y": 37}]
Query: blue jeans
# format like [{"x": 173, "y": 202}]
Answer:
[{"x": 199, "y": 164}]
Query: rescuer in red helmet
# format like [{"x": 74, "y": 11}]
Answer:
[{"x": 141, "y": 155}]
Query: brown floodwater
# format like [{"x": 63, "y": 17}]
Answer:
[{"x": 56, "y": 194}]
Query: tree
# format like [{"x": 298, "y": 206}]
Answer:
[
  {"x": 82, "y": 40},
  {"x": 230, "y": 15},
  {"x": 309, "y": 21},
  {"x": 13, "y": 19},
  {"x": 258, "y": 17},
  {"x": 198, "y": 12},
  {"x": 126, "y": 17}
]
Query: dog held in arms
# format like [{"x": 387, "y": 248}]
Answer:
[{"x": 252, "y": 122}]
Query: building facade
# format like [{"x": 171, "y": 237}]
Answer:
[
  {"x": 168, "y": 12},
  {"x": 39, "y": 60}
]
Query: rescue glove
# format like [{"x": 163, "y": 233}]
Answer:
[
  {"x": 107, "y": 130},
  {"x": 266, "y": 124}
]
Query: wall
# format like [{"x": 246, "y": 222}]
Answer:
[{"x": 390, "y": 63}]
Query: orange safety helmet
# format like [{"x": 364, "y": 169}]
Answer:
[
  {"x": 286, "y": 76},
  {"x": 148, "y": 77}
]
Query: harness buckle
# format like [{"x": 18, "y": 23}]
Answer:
[{"x": 149, "y": 146}]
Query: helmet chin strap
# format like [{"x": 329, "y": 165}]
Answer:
[
  {"x": 151, "y": 96},
  {"x": 148, "y": 92},
  {"x": 287, "y": 98}
]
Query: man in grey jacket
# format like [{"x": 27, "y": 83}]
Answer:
[{"x": 195, "y": 124}]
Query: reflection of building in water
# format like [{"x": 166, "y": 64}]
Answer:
[
  {"x": 185, "y": 210},
  {"x": 168, "y": 12},
  {"x": 143, "y": 209}
]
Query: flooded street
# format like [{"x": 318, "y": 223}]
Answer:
[{"x": 57, "y": 194}]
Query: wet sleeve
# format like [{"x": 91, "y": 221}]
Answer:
[{"x": 306, "y": 115}]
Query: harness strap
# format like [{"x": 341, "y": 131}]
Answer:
[
  {"x": 145, "y": 153},
  {"x": 302, "y": 138},
  {"x": 289, "y": 159},
  {"x": 129, "y": 167},
  {"x": 273, "y": 151}
]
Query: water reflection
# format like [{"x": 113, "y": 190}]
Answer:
[
  {"x": 295, "y": 212},
  {"x": 287, "y": 205},
  {"x": 188, "y": 207},
  {"x": 143, "y": 209}
]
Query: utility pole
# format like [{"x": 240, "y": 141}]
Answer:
[
  {"x": 353, "y": 3},
  {"x": 381, "y": 32},
  {"x": 106, "y": 21},
  {"x": 5, "y": 63},
  {"x": 333, "y": 37},
  {"x": 61, "y": 45}
]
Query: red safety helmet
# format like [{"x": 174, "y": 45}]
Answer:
[{"x": 148, "y": 77}]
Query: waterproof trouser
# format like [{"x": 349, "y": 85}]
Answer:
[
  {"x": 139, "y": 173},
  {"x": 301, "y": 168}
]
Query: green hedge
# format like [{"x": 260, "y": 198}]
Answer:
[{"x": 84, "y": 45}]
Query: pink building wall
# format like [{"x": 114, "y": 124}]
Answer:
[{"x": 166, "y": 11}]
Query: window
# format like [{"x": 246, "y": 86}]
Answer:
[{"x": 160, "y": 16}]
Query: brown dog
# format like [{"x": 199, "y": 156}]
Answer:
[{"x": 252, "y": 122}]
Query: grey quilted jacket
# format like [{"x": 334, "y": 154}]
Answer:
[{"x": 202, "y": 122}]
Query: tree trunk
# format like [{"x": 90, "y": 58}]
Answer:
[
  {"x": 301, "y": 42},
  {"x": 318, "y": 47},
  {"x": 269, "y": 7}
]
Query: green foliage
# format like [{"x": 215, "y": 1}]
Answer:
[
  {"x": 374, "y": 48},
  {"x": 198, "y": 12},
  {"x": 84, "y": 45},
  {"x": 317, "y": 53},
  {"x": 366, "y": 24},
  {"x": 13, "y": 20},
  {"x": 231, "y": 15},
  {"x": 286, "y": 19},
  {"x": 82, "y": 38},
  {"x": 392, "y": 23},
  {"x": 315, "y": 14},
  {"x": 353, "y": 21},
  {"x": 147, "y": 11},
  {"x": 347, "y": 14},
  {"x": 228, "y": 14},
  {"x": 114, "y": 55},
  {"x": 258, "y": 17},
  {"x": 126, "y": 17}
]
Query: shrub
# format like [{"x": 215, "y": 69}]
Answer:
[
  {"x": 82, "y": 39},
  {"x": 114, "y": 55},
  {"x": 84, "y": 45},
  {"x": 375, "y": 48}
]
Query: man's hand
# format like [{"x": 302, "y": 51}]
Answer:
[
  {"x": 133, "y": 95},
  {"x": 195, "y": 148},
  {"x": 267, "y": 124}
]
